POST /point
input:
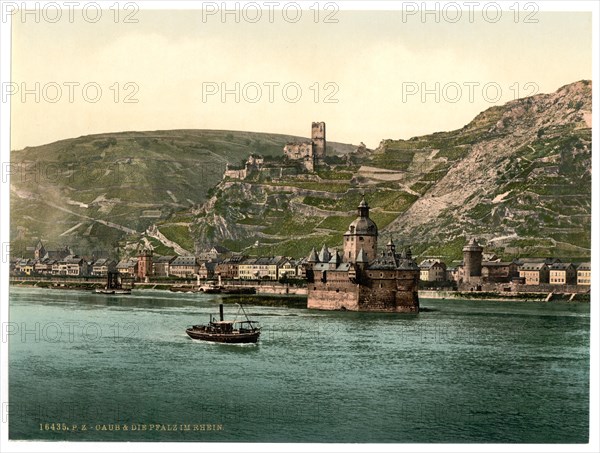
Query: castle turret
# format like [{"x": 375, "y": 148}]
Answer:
[
  {"x": 324, "y": 255},
  {"x": 362, "y": 234},
  {"x": 391, "y": 248},
  {"x": 313, "y": 258},
  {"x": 472, "y": 256}
]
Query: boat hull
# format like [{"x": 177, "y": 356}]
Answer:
[
  {"x": 112, "y": 291},
  {"x": 246, "y": 337}
]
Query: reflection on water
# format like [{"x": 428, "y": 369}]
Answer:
[{"x": 462, "y": 371}]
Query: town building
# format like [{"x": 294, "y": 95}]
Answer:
[
  {"x": 102, "y": 266},
  {"x": 432, "y": 270},
  {"x": 161, "y": 265},
  {"x": 229, "y": 268},
  {"x": 584, "y": 274},
  {"x": 534, "y": 273},
  {"x": 43, "y": 267},
  {"x": 128, "y": 267},
  {"x": 206, "y": 269},
  {"x": 288, "y": 268},
  {"x": 499, "y": 271},
  {"x": 73, "y": 265},
  {"x": 41, "y": 253},
  {"x": 563, "y": 274},
  {"x": 246, "y": 269},
  {"x": 24, "y": 266},
  {"x": 216, "y": 252},
  {"x": 184, "y": 266},
  {"x": 264, "y": 268},
  {"x": 312, "y": 152},
  {"x": 359, "y": 279}
]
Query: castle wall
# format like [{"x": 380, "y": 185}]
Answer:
[
  {"x": 407, "y": 297},
  {"x": 336, "y": 293},
  {"x": 235, "y": 174},
  {"x": 331, "y": 300},
  {"x": 297, "y": 151},
  {"x": 396, "y": 291}
]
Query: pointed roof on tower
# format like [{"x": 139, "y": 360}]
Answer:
[
  {"x": 361, "y": 258},
  {"x": 312, "y": 257},
  {"x": 324, "y": 255},
  {"x": 335, "y": 259}
]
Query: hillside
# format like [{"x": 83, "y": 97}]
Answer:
[
  {"x": 98, "y": 192},
  {"x": 518, "y": 177}
]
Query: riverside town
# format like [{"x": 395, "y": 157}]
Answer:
[{"x": 361, "y": 273}]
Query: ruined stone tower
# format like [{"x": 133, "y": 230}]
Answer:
[
  {"x": 318, "y": 139},
  {"x": 472, "y": 256},
  {"x": 310, "y": 153}
]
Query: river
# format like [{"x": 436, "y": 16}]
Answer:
[{"x": 105, "y": 368}]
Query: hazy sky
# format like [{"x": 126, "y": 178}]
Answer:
[{"x": 370, "y": 62}]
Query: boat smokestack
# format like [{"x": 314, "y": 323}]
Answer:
[{"x": 221, "y": 311}]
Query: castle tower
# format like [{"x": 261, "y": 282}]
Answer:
[
  {"x": 144, "y": 264},
  {"x": 318, "y": 139},
  {"x": 361, "y": 234},
  {"x": 472, "y": 256}
]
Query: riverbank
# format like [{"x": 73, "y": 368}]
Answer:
[
  {"x": 295, "y": 296},
  {"x": 506, "y": 296}
]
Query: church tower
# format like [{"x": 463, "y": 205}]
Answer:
[
  {"x": 40, "y": 251},
  {"x": 361, "y": 234}
]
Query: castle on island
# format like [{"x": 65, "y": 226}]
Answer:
[{"x": 361, "y": 279}]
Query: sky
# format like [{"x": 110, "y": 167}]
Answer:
[{"x": 371, "y": 75}]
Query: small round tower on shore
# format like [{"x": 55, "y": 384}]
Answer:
[{"x": 472, "y": 257}]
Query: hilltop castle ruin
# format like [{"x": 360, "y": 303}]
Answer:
[{"x": 310, "y": 153}]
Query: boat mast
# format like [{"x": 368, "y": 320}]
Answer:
[{"x": 247, "y": 319}]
